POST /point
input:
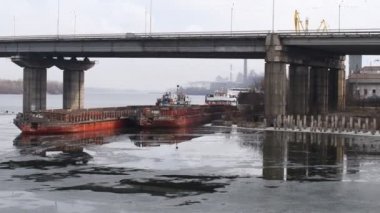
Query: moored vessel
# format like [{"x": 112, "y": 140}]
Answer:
[
  {"x": 178, "y": 116},
  {"x": 175, "y": 111},
  {"x": 71, "y": 121},
  {"x": 229, "y": 98},
  {"x": 220, "y": 98},
  {"x": 170, "y": 111}
]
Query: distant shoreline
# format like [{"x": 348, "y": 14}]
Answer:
[{"x": 15, "y": 87}]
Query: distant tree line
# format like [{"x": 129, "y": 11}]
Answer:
[{"x": 15, "y": 87}]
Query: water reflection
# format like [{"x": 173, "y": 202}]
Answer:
[
  {"x": 121, "y": 179},
  {"x": 274, "y": 155},
  {"x": 313, "y": 157},
  {"x": 58, "y": 150},
  {"x": 43, "y": 145},
  {"x": 66, "y": 143},
  {"x": 154, "y": 138}
]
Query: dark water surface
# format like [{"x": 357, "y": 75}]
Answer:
[{"x": 205, "y": 169}]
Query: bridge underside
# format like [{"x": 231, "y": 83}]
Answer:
[
  {"x": 316, "y": 83},
  {"x": 316, "y": 69},
  {"x": 205, "y": 47},
  {"x": 190, "y": 55}
]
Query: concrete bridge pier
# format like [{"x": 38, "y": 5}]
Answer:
[
  {"x": 34, "y": 81},
  {"x": 341, "y": 89},
  {"x": 337, "y": 90},
  {"x": 333, "y": 89},
  {"x": 299, "y": 91},
  {"x": 73, "y": 81},
  {"x": 275, "y": 78},
  {"x": 319, "y": 90},
  {"x": 275, "y": 89}
]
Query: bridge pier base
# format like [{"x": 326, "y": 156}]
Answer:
[
  {"x": 298, "y": 89},
  {"x": 73, "y": 81},
  {"x": 34, "y": 82}
]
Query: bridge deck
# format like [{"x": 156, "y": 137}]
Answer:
[{"x": 187, "y": 45}]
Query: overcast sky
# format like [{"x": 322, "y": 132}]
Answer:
[{"x": 32, "y": 17}]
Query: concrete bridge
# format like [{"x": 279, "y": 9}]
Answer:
[{"x": 316, "y": 62}]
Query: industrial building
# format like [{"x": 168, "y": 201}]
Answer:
[{"x": 364, "y": 84}]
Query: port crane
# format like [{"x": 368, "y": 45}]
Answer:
[
  {"x": 303, "y": 26},
  {"x": 298, "y": 23},
  {"x": 323, "y": 27}
]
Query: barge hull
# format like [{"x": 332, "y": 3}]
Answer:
[
  {"x": 87, "y": 120},
  {"x": 179, "y": 122},
  {"x": 180, "y": 116},
  {"x": 75, "y": 128}
]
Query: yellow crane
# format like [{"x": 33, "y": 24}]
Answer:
[
  {"x": 298, "y": 23},
  {"x": 323, "y": 27},
  {"x": 301, "y": 26}
]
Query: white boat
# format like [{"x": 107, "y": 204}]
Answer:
[
  {"x": 226, "y": 98},
  {"x": 234, "y": 92},
  {"x": 220, "y": 98}
]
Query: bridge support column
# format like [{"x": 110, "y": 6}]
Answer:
[
  {"x": 275, "y": 82},
  {"x": 34, "y": 82},
  {"x": 319, "y": 95},
  {"x": 341, "y": 89},
  {"x": 73, "y": 89},
  {"x": 337, "y": 89},
  {"x": 333, "y": 89},
  {"x": 73, "y": 81},
  {"x": 275, "y": 89},
  {"x": 298, "y": 89}
]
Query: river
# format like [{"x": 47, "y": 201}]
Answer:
[{"x": 203, "y": 169}]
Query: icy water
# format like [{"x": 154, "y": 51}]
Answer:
[{"x": 204, "y": 169}]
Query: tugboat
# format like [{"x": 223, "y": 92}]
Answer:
[
  {"x": 170, "y": 99},
  {"x": 175, "y": 111}
]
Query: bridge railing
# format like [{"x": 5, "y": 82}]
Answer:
[
  {"x": 136, "y": 35},
  {"x": 330, "y": 33},
  {"x": 215, "y": 34}
]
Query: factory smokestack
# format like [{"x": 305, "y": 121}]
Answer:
[{"x": 245, "y": 71}]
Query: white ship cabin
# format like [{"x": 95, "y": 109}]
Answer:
[{"x": 234, "y": 92}]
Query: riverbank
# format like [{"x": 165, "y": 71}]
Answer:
[{"x": 16, "y": 87}]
